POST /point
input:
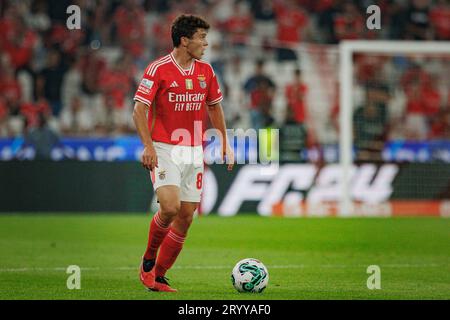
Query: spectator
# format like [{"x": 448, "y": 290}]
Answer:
[
  {"x": 293, "y": 133},
  {"x": 56, "y": 10},
  {"x": 261, "y": 89},
  {"x": 413, "y": 73},
  {"x": 42, "y": 138},
  {"x": 239, "y": 25},
  {"x": 130, "y": 25},
  {"x": 214, "y": 55},
  {"x": 30, "y": 29},
  {"x": 26, "y": 79},
  {"x": 67, "y": 40},
  {"x": 265, "y": 27},
  {"x": 348, "y": 23},
  {"x": 50, "y": 79},
  {"x": 370, "y": 132},
  {"x": 234, "y": 80},
  {"x": 291, "y": 28},
  {"x": 98, "y": 28},
  {"x": 418, "y": 24},
  {"x": 368, "y": 67},
  {"x": 4, "y": 115},
  {"x": 440, "y": 125},
  {"x": 11, "y": 94},
  {"x": 38, "y": 18},
  {"x": 115, "y": 84},
  {"x": 75, "y": 118},
  {"x": 92, "y": 68},
  {"x": 33, "y": 111},
  {"x": 328, "y": 9},
  {"x": 10, "y": 89},
  {"x": 396, "y": 20},
  {"x": 18, "y": 41},
  {"x": 440, "y": 17},
  {"x": 292, "y": 140},
  {"x": 163, "y": 43},
  {"x": 423, "y": 100},
  {"x": 295, "y": 93}
]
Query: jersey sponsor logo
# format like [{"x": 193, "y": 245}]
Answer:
[
  {"x": 186, "y": 97},
  {"x": 187, "y": 101},
  {"x": 174, "y": 85},
  {"x": 189, "y": 84}
]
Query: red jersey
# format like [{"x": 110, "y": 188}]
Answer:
[
  {"x": 290, "y": 21},
  {"x": 239, "y": 27},
  {"x": 348, "y": 27},
  {"x": 424, "y": 100},
  {"x": 178, "y": 99},
  {"x": 10, "y": 90},
  {"x": 3, "y": 110},
  {"x": 296, "y": 96},
  {"x": 115, "y": 85},
  {"x": 31, "y": 112},
  {"x": 440, "y": 19}
]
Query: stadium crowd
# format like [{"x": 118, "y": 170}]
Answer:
[{"x": 81, "y": 81}]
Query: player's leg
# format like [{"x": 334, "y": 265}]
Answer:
[
  {"x": 172, "y": 245},
  {"x": 183, "y": 220},
  {"x": 169, "y": 202},
  {"x": 190, "y": 193},
  {"x": 166, "y": 181},
  {"x": 168, "y": 197}
]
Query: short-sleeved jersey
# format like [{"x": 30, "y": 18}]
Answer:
[{"x": 177, "y": 99}]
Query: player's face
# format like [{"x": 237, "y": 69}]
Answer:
[{"x": 197, "y": 45}]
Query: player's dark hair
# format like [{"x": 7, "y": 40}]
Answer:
[{"x": 186, "y": 26}]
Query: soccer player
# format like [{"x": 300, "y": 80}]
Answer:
[{"x": 171, "y": 103}]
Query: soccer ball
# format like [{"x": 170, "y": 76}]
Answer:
[{"x": 250, "y": 275}]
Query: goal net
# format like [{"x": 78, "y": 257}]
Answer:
[{"x": 394, "y": 128}]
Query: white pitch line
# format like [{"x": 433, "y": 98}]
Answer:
[{"x": 293, "y": 266}]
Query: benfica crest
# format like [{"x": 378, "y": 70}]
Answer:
[
  {"x": 162, "y": 174},
  {"x": 201, "y": 80}
]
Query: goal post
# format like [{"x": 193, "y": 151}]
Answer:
[{"x": 347, "y": 50}]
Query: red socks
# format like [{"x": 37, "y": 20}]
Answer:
[
  {"x": 170, "y": 248},
  {"x": 169, "y": 242},
  {"x": 157, "y": 233}
]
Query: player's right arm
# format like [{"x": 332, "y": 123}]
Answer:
[
  {"x": 143, "y": 98},
  {"x": 149, "y": 159}
]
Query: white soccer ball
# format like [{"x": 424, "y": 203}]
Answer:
[{"x": 250, "y": 275}]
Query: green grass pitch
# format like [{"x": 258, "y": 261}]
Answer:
[{"x": 314, "y": 258}]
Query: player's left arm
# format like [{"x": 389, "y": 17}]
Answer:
[{"x": 215, "y": 113}]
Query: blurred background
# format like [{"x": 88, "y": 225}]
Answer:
[{"x": 67, "y": 95}]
